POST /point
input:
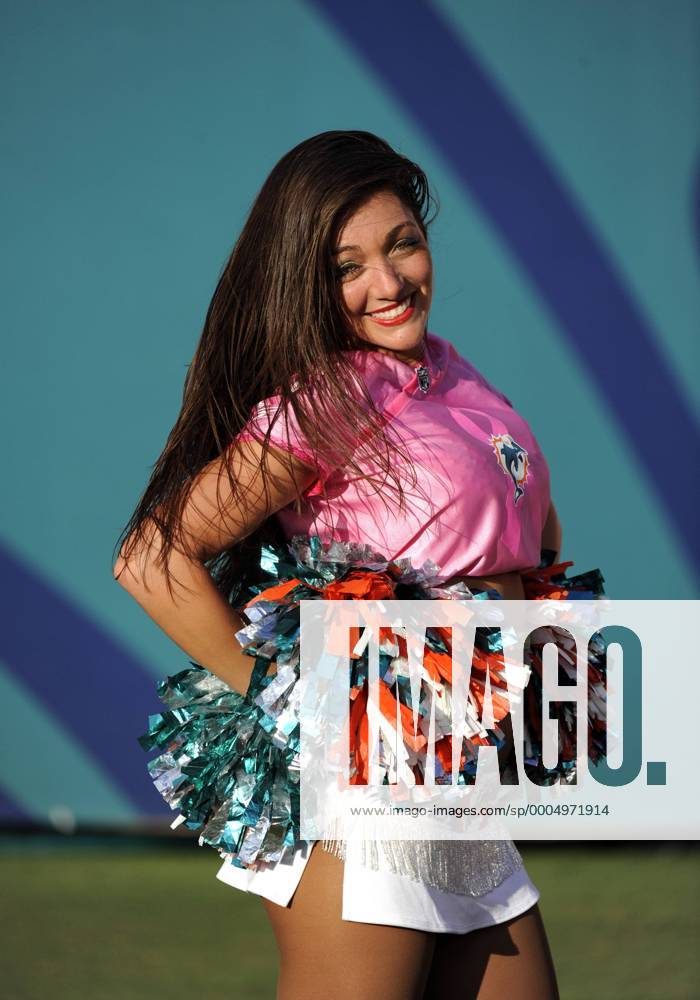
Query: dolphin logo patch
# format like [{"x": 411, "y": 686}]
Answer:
[{"x": 513, "y": 461}]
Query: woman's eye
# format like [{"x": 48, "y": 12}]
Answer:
[
  {"x": 347, "y": 270},
  {"x": 404, "y": 244}
]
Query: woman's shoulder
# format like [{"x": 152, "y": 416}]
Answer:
[{"x": 460, "y": 367}]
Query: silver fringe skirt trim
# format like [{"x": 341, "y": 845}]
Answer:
[{"x": 464, "y": 867}]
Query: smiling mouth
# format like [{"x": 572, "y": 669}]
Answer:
[{"x": 393, "y": 315}]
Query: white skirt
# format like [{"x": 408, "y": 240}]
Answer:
[{"x": 374, "y": 897}]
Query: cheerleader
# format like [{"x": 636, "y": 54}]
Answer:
[{"x": 330, "y": 446}]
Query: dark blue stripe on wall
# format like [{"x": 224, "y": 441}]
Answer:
[
  {"x": 441, "y": 85},
  {"x": 100, "y": 694},
  {"x": 9, "y": 809}
]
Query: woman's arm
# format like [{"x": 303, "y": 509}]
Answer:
[
  {"x": 201, "y": 621},
  {"x": 551, "y": 533}
]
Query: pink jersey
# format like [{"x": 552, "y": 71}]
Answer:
[{"x": 482, "y": 492}]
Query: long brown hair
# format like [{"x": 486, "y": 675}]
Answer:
[{"x": 276, "y": 321}]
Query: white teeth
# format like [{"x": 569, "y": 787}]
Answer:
[{"x": 395, "y": 312}]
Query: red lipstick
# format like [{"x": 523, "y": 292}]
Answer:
[{"x": 397, "y": 320}]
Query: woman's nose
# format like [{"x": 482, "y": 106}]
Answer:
[{"x": 387, "y": 282}]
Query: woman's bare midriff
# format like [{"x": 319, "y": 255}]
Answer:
[{"x": 508, "y": 585}]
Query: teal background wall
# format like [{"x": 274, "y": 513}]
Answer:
[{"x": 562, "y": 140}]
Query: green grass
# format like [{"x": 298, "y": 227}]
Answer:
[
  {"x": 111, "y": 924},
  {"x": 622, "y": 924}
]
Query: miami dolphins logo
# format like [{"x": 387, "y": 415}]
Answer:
[{"x": 512, "y": 460}]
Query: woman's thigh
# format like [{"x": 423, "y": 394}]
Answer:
[
  {"x": 322, "y": 955},
  {"x": 510, "y": 959}
]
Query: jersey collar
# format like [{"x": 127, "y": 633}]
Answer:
[{"x": 403, "y": 373}]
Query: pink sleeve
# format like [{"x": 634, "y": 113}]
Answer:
[{"x": 286, "y": 435}]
